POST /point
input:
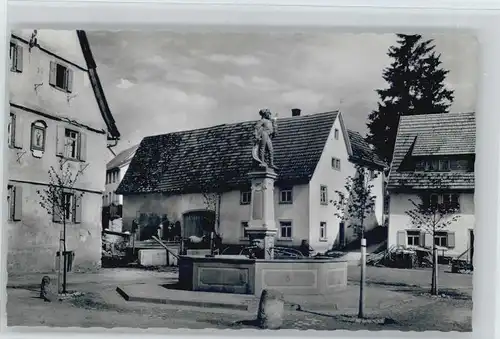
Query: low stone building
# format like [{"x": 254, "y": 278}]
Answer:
[{"x": 198, "y": 178}]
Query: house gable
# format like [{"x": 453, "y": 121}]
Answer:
[{"x": 433, "y": 136}]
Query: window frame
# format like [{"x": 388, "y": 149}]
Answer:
[
  {"x": 336, "y": 133},
  {"x": 287, "y": 225},
  {"x": 323, "y": 229},
  {"x": 77, "y": 145},
  {"x": 323, "y": 195},
  {"x": 11, "y": 131},
  {"x": 336, "y": 164},
  {"x": 244, "y": 225},
  {"x": 287, "y": 192},
  {"x": 245, "y": 197},
  {"x": 439, "y": 236},
  {"x": 413, "y": 234}
]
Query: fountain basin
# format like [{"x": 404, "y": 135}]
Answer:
[{"x": 239, "y": 274}]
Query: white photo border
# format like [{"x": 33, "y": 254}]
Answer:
[{"x": 478, "y": 17}]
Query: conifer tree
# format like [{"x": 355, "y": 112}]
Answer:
[{"x": 416, "y": 85}]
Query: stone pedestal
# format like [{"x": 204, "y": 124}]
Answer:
[{"x": 262, "y": 224}]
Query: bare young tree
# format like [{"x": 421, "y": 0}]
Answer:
[
  {"x": 356, "y": 202},
  {"x": 61, "y": 200},
  {"x": 432, "y": 214},
  {"x": 354, "y": 205}
]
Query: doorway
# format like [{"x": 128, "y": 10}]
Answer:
[{"x": 198, "y": 223}]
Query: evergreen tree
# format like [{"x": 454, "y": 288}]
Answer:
[{"x": 416, "y": 86}]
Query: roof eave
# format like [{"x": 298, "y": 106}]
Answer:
[{"x": 108, "y": 118}]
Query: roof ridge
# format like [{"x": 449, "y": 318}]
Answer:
[{"x": 238, "y": 123}]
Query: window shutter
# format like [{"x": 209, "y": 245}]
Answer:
[
  {"x": 18, "y": 132},
  {"x": 52, "y": 73},
  {"x": 78, "y": 209},
  {"x": 401, "y": 240},
  {"x": 60, "y": 141},
  {"x": 82, "y": 152},
  {"x": 428, "y": 240},
  {"x": 18, "y": 203},
  {"x": 451, "y": 239},
  {"x": 19, "y": 56},
  {"x": 422, "y": 239},
  {"x": 69, "y": 80}
]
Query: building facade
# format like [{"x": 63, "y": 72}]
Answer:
[
  {"x": 57, "y": 114},
  {"x": 185, "y": 176},
  {"x": 433, "y": 164},
  {"x": 115, "y": 171}
]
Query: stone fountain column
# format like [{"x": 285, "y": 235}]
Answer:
[{"x": 262, "y": 225}]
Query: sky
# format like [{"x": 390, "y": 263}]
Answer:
[{"x": 158, "y": 82}]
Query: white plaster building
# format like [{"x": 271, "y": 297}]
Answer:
[
  {"x": 115, "y": 171},
  {"x": 57, "y": 111},
  {"x": 314, "y": 155},
  {"x": 434, "y": 160}
]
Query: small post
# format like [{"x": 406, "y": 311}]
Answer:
[
  {"x": 212, "y": 250},
  {"x": 60, "y": 263},
  {"x": 361, "y": 311},
  {"x": 434, "y": 287}
]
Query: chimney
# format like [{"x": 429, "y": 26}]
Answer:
[{"x": 295, "y": 112}]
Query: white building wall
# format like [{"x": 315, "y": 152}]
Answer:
[
  {"x": 334, "y": 180},
  {"x": 232, "y": 213},
  {"x": 33, "y": 240},
  {"x": 400, "y": 221}
]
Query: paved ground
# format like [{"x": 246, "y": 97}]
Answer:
[{"x": 396, "y": 294}]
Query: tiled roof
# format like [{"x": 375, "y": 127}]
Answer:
[
  {"x": 361, "y": 151},
  {"x": 431, "y": 135},
  {"x": 220, "y": 156},
  {"x": 122, "y": 158},
  {"x": 182, "y": 162}
]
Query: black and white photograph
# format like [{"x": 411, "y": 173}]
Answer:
[{"x": 218, "y": 179}]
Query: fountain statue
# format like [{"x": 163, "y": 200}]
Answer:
[
  {"x": 265, "y": 129},
  {"x": 261, "y": 226}
]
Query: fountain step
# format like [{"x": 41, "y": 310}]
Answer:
[{"x": 158, "y": 294}]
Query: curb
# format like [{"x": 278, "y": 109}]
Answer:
[{"x": 192, "y": 303}]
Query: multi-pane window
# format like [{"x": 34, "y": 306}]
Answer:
[
  {"x": 323, "y": 190},
  {"x": 336, "y": 164},
  {"x": 286, "y": 195},
  {"x": 441, "y": 239},
  {"x": 71, "y": 139},
  {"x": 413, "y": 238},
  {"x": 285, "y": 229},
  {"x": 447, "y": 201},
  {"x": 245, "y": 197},
  {"x": 322, "y": 230}
]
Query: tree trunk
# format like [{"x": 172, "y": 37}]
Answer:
[
  {"x": 59, "y": 264},
  {"x": 434, "y": 288},
  {"x": 64, "y": 255}
]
